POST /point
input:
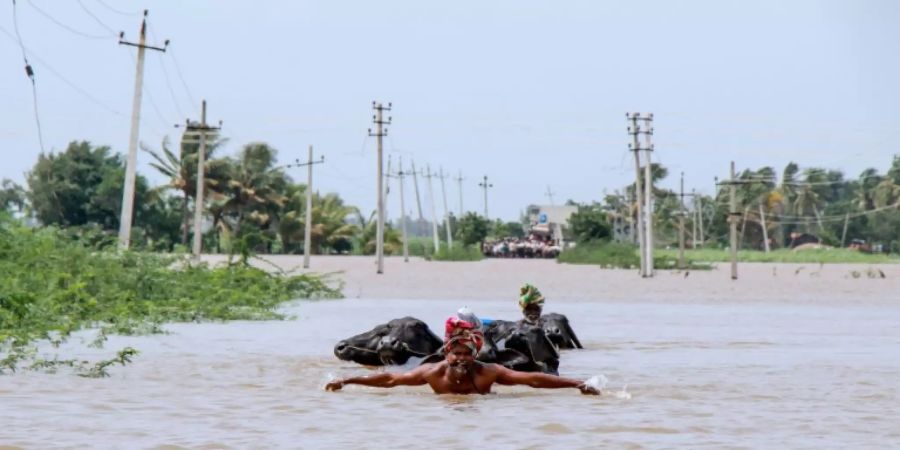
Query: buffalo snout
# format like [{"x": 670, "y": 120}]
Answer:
[{"x": 341, "y": 349}]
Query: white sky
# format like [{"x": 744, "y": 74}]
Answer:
[{"x": 530, "y": 93}]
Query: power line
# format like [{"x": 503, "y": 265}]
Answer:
[
  {"x": 118, "y": 11},
  {"x": 64, "y": 79},
  {"x": 166, "y": 76},
  {"x": 64, "y": 26},
  {"x": 181, "y": 77},
  {"x": 97, "y": 19},
  {"x": 30, "y": 73}
]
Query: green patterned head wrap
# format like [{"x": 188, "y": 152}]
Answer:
[{"x": 530, "y": 295}]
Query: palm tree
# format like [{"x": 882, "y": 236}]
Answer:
[
  {"x": 254, "y": 189},
  {"x": 864, "y": 198},
  {"x": 182, "y": 173}
]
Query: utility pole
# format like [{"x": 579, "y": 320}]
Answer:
[
  {"x": 648, "y": 193},
  {"x": 459, "y": 180},
  {"x": 415, "y": 176},
  {"x": 733, "y": 216},
  {"x": 699, "y": 200},
  {"x": 844, "y": 233},
  {"x": 762, "y": 218},
  {"x": 307, "y": 232},
  {"x": 681, "y": 214},
  {"x": 131, "y": 163},
  {"x": 694, "y": 219},
  {"x": 202, "y": 128},
  {"x": 446, "y": 211},
  {"x": 387, "y": 189},
  {"x": 380, "y": 132},
  {"x": 635, "y": 233},
  {"x": 434, "y": 230},
  {"x": 400, "y": 175},
  {"x": 485, "y": 185},
  {"x": 549, "y": 194},
  {"x": 644, "y": 228}
]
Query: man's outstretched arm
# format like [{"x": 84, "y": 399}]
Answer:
[
  {"x": 415, "y": 377},
  {"x": 541, "y": 380}
]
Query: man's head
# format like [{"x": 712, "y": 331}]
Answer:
[
  {"x": 532, "y": 302},
  {"x": 462, "y": 341}
]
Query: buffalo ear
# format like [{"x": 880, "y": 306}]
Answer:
[
  {"x": 510, "y": 358},
  {"x": 432, "y": 358}
]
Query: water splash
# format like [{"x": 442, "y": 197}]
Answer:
[
  {"x": 623, "y": 394},
  {"x": 599, "y": 382}
]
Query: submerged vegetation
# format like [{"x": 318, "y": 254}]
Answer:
[
  {"x": 623, "y": 256},
  {"x": 53, "y": 283},
  {"x": 458, "y": 253},
  {"x": 821, "y": 255}
]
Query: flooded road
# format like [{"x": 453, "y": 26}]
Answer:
[{"x": 679, "y": 375}]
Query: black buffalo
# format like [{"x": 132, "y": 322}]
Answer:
[
  {"x": 559, "y": 331},
  {"x": 392, "y": 343},
  {"x": 531, "y": 341}
]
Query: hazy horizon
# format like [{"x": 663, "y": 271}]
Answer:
[{"x": 531, "y": 94}]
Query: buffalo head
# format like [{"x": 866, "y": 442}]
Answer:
[{"x": 391, "y": 343}]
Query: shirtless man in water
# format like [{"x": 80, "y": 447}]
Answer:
[{"x": 460, "y": 373}]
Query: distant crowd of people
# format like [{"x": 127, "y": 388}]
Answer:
[{"x": 534, "y": 246}]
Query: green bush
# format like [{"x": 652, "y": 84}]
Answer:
[{"x": 53, "y": 283}]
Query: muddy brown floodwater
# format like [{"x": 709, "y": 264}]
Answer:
[{"x": 692, "y": 369}]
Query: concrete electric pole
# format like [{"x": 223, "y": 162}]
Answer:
[
  {"x": 485, "y": 185},
  {"x": 421, "y": 220},
  {"x": 459, "y": 180},
  {"x": 643, "y": 217},
  {"x": 449, "y": 232},
  {"x": 380, "y": 132},
  {"x": 202, "y": 129},
  {"x": 400, "y": 175},
  {"x": 434, "y": 230},
  {"x": 127, "y": 212}
]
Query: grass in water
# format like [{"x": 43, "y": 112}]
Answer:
[
  {"x": 824, "y": 255},
  {"x": 458, "y": 253},
  {"x": 621, "y": 256},
  {"x": 52, "y": 285}
]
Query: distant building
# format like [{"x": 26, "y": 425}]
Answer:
[{"x": 549, "y": 220}]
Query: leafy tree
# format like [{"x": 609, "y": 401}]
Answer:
[
  {"x": 160, "y": 227},
  {"x": 81, "y": 185},
  {"x": 589, "y": 223},
  {"x": 472, "y": 229}
]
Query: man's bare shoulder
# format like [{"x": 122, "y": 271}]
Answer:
[{"x": 490, "y": 368}]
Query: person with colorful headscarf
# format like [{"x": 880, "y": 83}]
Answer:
[
  {"x": 532, "y": 303},
  {"x": 557, "y": 327},
  {"x": 459, "y": 372}
]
